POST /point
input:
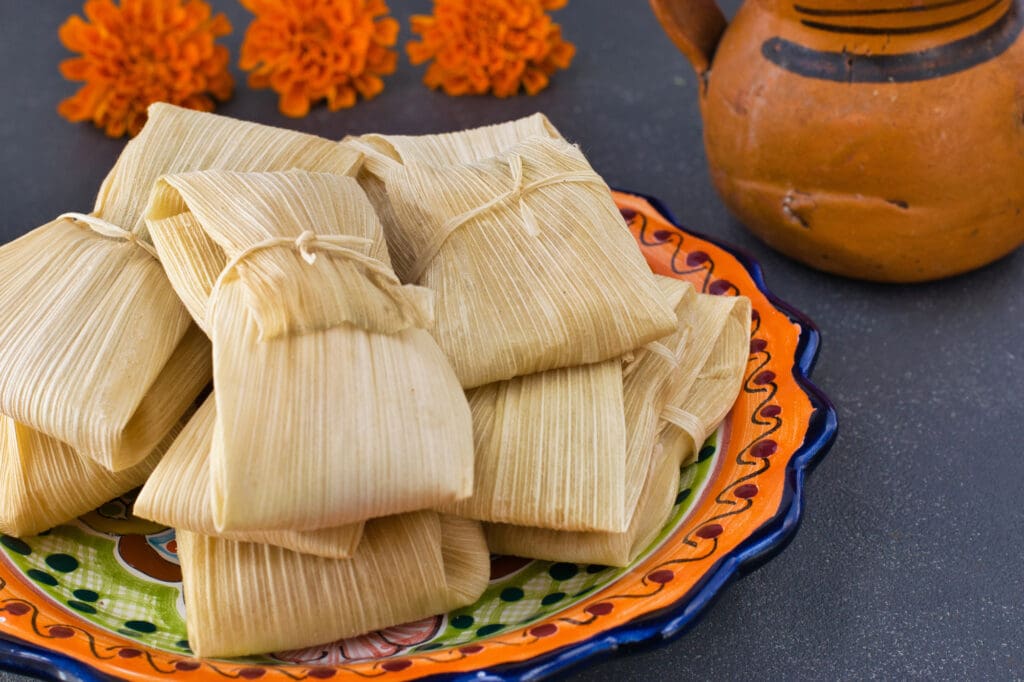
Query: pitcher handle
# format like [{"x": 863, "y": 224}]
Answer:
[{"x": 695, "y": 26}]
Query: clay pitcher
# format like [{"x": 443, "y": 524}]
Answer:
[{"x": 880, "y": 139}]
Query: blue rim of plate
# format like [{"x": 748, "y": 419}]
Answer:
[{"x": 22, "y": 658}]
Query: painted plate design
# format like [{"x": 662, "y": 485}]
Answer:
[{"x": 102, "y": 596}]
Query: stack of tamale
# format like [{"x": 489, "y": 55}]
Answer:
[
  {"x": 595, "y": 381},
  {"x": 423, "y": 349}
]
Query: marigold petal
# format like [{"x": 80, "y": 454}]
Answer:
[
  {"x": 258, "y": 81},
  {"x": 219, "y": 26},
  {"x": 76, "y": 69},
  {"x": 386, "y": 31},
  {"x": 369, "y": 86},
  {"x": 562, "y": 55},
  {"x": 421, "y": 23},
  {"x": 294, "y": 103},
  {"x": 535, "y": 80},
  {"x": 418, "y": 52},
  {"x": 343, "y": 97}
]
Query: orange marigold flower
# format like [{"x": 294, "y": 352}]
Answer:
[
  {"x": 308, "y": 50},
  {"x": 490, "y": 45},
  {"x": 139, "y": 52}
]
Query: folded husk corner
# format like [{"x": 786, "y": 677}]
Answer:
[
  {"x": 320, "y": 354},
  {"x": 46, "y": 483},
  {"x": 177, "y": 494},
  {"x": 407, "y": 567}
]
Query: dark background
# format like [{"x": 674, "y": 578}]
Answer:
[{"x": 908, "y": 562}]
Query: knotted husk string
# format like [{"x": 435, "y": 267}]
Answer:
[
  {"x": 107, "y": 229},
  {"x": 704, "y": 382},
  {"x": 94, "y": 344},
  {"x": 177, "y": 494},
  {"x": 407, "y": 567},
  {"x": 382, "y": 152},
  {"x": 516, "y": 193},
  {"x": 325, "y": 363},
  {"x": 253, "y": 231},
  {"x": 591, "y": 295},
  {"x": 46, "y": 483}
]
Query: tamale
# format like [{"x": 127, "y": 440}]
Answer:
[
  {"x": 553, "y": 449},
  {"x": 177, "y": 494},
  {"x": 334, "y": 404},
  {"x": 46, "y": 483},
  {"x": 608, "y": 549},
  {"x": 533, "y": 264},
  {"x": 550, "y": 450},
  {"x": 382, "y": 152},
  {"x": 703, "y": 383},
  {"x": 407, "y": 567},
  {"x": 91, "y": 334}
]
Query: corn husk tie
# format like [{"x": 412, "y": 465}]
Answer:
[
  {"x": 107, "y": 229},
  {"x": 516, "y": 193},
  {"x": 308, "y": 244},
  {"x": 383, "y": 152}
]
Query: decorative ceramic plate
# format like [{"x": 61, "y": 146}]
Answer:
[{"x": 102, "y": 596}]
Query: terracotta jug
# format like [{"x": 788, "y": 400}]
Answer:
[{"x": 880, "y": 139}]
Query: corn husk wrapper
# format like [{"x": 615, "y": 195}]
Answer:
[
  {"x": 334, "y": 404},
  {"x": 177, "y": 494},
  {"x": 704, "y": 387},
  {"x": 46, "y": 483},
  {"x": 553, "y": 449},
  {"x": 698, "y": 408},
  {"x": 383, "y": 152},
  {"x": 407, "y": 567},
  {"x": 550, "y": 450},
  {"x": 92, "y": 336},
  {"x": 533, "y": 265}
]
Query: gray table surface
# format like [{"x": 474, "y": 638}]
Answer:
[{"x": 908, "y": 561}]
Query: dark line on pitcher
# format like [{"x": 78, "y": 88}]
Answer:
[
  {"x": 814, "y": 12},
  {"x": 944, "y": 60},
  {"x": 898, "y": 30}
]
